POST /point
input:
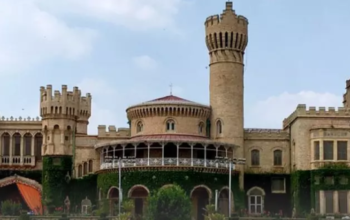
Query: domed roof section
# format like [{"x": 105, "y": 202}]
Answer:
[{"x": 169, "y": 100}]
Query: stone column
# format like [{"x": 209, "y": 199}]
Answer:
[
  {"x": 32, "y": 149},
  {"x": 335, "y": 150},
  {"x": 177, "y": 154},
  {"x": 321, "y": 150},
  {"x": 162, "y": 154},
  {"x": 148, "y": 153},
  {"x": 22, "y": 149},
  {"x": 205, "y": 155},
  {"x": 191, "y": 155},
  {"x": 322, "y": 202},
  {"x": 335, "y": 202},
  {"x": 11, "y": 150}
]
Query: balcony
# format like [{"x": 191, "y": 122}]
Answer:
[
  {"x": 17, "y": 161},
  {"x": 163, "y": 162}
]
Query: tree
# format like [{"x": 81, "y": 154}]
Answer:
[{"x": 169, "y": 203}]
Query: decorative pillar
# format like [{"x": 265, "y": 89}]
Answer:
[
  {"x": 32, "y": 149},
  {"x": 162, "y": 154},
  {"x": 177, "y": 154},
  {"x": 191, "y": 155},
  {"x": 135, "y": 154},
  {"x": 113, "y": 159},
  {"x": 335, "y": 202},
  {"x": 21, "y": 149},
  {"x": 148, "y": 153},
  {"x": 11, "y": 149},
  {"x": 216, "y": 155},
  {"x": 321, "y": 150}
]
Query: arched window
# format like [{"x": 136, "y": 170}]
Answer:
[
  {"x": 200, "y": 128},
  {"x": 255, "y": 157},
  {"x": 139, "y": 127},
  {"x": 80, "y": 170},
  {"x": 218, "y": 127},
  {"x": 277, "y": 158},
  {"x": 256, "y": 200},
  {"x": 85, "y": 168},
  {"x": 28, "y": 144},
  {"x": 90, "y": 166},
  {"x": 170, "y": 125},
  {"x": 16, "y": 144},
  {"x": 5, "y": 144}
]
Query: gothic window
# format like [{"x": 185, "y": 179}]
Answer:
[
  {"x": 90, "y": 166},
  {"x": 255, "y": 157},
  {"x": 218, "y": 127},
  {"x": 170, "y": 125},
  {"x": 139, "y": 127},
  {"x": 278, "y": 185},
  {"x": 38, "y": 142},
  {"x": 16, "y": 138},
  {"x": 80, "y": 169},
  {"x": 27, "y": 144},
  {"x": 85, "y": 168},
  {"x": 5, "y": 144},
  {"x": 277, "y": 158}
]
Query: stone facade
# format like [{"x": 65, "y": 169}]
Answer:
[{"x": 174, "y": 132}]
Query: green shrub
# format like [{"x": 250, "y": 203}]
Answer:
[
  {"x": 212, "y": 214},
  {"x": 170, "y": 203},
  {"x": 10, "y": 208}
]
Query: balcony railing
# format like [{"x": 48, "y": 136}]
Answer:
[
  {"x": 17, "y": 160},
  {"x": 184, "y": 162}
]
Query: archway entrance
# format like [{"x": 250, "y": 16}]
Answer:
[
  {"x": 139, "y": 194},
  {"x": 113, "y": 197},
  {"x": 22, "y": 190},
  {"x": 200, "y": 197},
  {"x": 224, "y": 201}
]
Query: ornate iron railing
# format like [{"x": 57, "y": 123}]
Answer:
[{"x": 183, "y": 162}]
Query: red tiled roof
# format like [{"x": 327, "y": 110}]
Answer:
[
  {"x": 169, "y": 137},
  {"x": 170, "y": 99}
]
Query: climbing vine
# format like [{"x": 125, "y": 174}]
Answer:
[
  {"x": 80, "y": 189},
  {"x": 154, "y": 180},
  {"x": 56, "y": 176}
]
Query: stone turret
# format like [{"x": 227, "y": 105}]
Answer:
[
  {"x": 62, "y": 112},
  {"x": 226, "y": 40}
]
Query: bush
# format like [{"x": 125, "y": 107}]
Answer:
[
  {"x": 10, "y": 208},
  {"x": 24, "y": 216},
  {"x": 212, "y": 214},
  {"x": 170, "y": 203}
]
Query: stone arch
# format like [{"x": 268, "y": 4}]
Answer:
[
  {"x": 200, "y": 196},
  {"x": 223, "y": 203},
  {"x": 202, "y": 186},
  {"x": 111, "y": 191},
  {"x": 131, "y": 190},
  {"x": 256, "y": 188}
]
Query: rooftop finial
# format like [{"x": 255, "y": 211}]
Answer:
[
  {"x": 229, "y": 5},
  {"x": 171, "y": 88}
]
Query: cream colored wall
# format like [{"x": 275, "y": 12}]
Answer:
[
  {"x": 157, "y": 125},
  {"x": 266, "y": 141}
]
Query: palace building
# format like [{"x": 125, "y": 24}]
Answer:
[{"x": 171, "y": 140}]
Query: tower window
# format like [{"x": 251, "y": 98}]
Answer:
[
  {"x": 139, "y": 127},
  {"x": 170, "y": 125},
  {"x": 200, "y": 128},
  {"x": 219, "y": 127}
]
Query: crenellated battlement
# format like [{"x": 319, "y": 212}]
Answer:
[
  {"x": 313, "y": 112},
  {"x": 64, "y": 103},
  {"x": 113, "y": 132},
  {"x": 20, "y": 119},
  {"x": 227, "y": 31}
]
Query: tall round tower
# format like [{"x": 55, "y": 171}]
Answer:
[{"x": 226, "y": 40}]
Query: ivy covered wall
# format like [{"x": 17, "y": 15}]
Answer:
[
  {"x": 56, "y": 176},
  {"x": 153, "y": 180},
  {"x": 273, "y": 202}
]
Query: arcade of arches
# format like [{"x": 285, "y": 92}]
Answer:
[{"x": 200, "y": 197}]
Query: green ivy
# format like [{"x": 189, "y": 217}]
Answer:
[
  {"x": 54, "y": 179},
  {"x": 154, "y": 180},
  {"x": 79, "y": 189},
  {"x": 304, "y": 184}
]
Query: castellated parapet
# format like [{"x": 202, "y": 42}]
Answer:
[
  {"x": 226, "y": 35},
  {"x": 312, "y": 112},
  {"x": 113, "y": 132}
]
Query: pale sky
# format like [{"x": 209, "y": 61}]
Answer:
[{"x": 128, "y": 51}]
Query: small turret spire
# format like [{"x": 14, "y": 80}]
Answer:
[{"x": 171, "y": 88}]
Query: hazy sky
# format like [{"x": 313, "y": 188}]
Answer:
[{"x": 129, "y": 51}]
